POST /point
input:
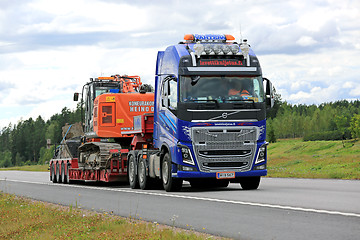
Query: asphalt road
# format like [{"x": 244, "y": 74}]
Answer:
[{"x": 279, "y": 209}]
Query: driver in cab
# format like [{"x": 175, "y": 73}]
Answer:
[{"x": 240, "y": 89}]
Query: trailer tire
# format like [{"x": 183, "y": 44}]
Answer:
[
  {"x": 249, "y": 183},
  {"x": 58, "y": 175},
  {"x": 63, "y": 173},
  {"x": 53, "y": 174},
  {"x": 132, "y": 176},
  {"x": 68, "y": 181},
  {"x": 142, "y": 178},
  {"x": 170, "y": 184}
]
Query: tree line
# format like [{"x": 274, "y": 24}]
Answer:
[
  {"x": 338, "y": 120},
  {"x": 25, "y": 142}
]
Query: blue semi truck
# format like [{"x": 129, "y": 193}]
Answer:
[{"x": 209, "y": 121}]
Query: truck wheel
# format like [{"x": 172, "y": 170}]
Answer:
[
  {"x": 58, "y": 175},
  {"x": 132, "y": 172},
  {"x": 63, "y": 173},
  {"x": 67, "y": 178},
  {"x": 249, "y": 183},
  {"x": 170, "y": 184},
  {"x": 53, "y": 175},
  {"x": 143, "y": 179}
]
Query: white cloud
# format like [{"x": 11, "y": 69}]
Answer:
[
  {"x": 355, "y": 92},
  {"x": 306, "y": 41},
  {"x": 88, "y": 16}
]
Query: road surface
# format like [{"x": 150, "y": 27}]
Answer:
[{"x": 279, "y": 209}]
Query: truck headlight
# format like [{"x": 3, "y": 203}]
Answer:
[
  {"x": 261, "y": 154},
  {"x": 186, "y": 155},
  {"x": 186, "y": 168}
]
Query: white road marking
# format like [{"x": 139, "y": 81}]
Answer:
[{"x": 196, "y": 198}]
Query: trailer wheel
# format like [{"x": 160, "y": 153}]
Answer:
[
  {"x": 249, "y": 183},
  {"x": 143, "y": 179},
  {"x": 63, "y": 173},
  {"x": 67, "y": 178},
  {"x": 170, "y": 184},
  {"x": 53, "y": 175},
  {"x": 58, "y": 175},
  {"x": 132, "y": 172}
]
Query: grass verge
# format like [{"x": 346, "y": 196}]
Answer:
[
  {"x": 33, "y": 168},
  {"x": 22, "y": 218},
  {"x": 314, "y": 159}
]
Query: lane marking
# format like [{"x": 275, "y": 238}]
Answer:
[{"x": 275, "y": 206}]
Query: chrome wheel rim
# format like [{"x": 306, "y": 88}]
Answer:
[
  {"x": 165, "y": 172},
  {"x": 141, "y": 171},
  {"x": 131, "y": 171}
]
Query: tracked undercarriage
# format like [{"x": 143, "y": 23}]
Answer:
[{"x": 96, "y": 155}]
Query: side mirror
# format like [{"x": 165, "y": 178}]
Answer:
[
  {"x": 76, "y": 97},
  {"x": 269, "y": 93}
]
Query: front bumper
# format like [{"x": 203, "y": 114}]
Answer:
[{"x": 186, "y": 174}]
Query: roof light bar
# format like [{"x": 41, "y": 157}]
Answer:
[
  {"x": 208, "y": 37},
  {"x": 217, "y": 49},
  {"x": 217, "y": 44}
]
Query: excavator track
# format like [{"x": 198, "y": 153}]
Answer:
[{"x": 96, "y": 154}]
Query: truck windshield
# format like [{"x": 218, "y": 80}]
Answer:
[{"x": 221, "y": 89}]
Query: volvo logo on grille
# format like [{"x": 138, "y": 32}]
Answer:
[{"x": 224, "y": 115}]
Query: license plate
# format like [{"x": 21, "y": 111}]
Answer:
[{"x": 224, "y": 175}]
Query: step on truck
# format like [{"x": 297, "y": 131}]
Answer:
[{"x": 209, "y": 120}]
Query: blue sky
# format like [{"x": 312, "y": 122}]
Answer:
[{"x": 49, "y": 49}]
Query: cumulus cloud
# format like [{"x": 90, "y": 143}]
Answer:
[{"x": 305, "y": 41}]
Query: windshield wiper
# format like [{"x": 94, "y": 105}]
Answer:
[
  {"x": 194, "y": 80},
  {"x": 207, "y": 100},
  {"x": 242, "y": 100}
]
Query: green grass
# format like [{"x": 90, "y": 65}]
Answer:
[
  {"x": 22, "y": 218},
  {"x": 33, "y": 168},
  {"x": 314, "y": 159}
]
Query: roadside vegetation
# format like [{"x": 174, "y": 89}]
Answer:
[
  {"x": 22, "y": 218},
  {"x": 295, "y": 158},
  {"x": 32, "y": 168}
]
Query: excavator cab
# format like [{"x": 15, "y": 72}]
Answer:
[{"x": 110, "y": 104}]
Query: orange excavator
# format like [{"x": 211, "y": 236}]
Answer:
[{"x": 110, "y": 104}]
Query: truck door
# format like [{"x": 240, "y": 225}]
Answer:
[
  {"x": 167, "y": 113},
  {"x": 89, "y": 107}
]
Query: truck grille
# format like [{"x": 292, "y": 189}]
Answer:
[{"x": 224, "y": 148}]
